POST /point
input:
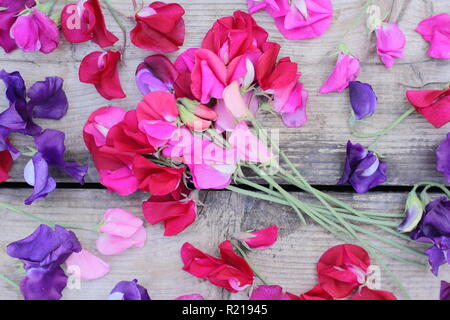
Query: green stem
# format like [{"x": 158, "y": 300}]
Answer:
[
  {"x": 9, "y": 281},
  {"x": 433, "y": 184},
  {"x": 244, "y": 256},
  {"x": 52, "y": 6},
  {"x": 391, "y": 127},
  {"x": 119, "y": 23},
  {"x": 40, "y": 220}
]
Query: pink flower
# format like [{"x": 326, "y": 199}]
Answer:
[
  {"x": 158, "y": 132},
  {"x": 87, "y": 266},
  {"x": 98, "y": 125},
  {"x": 257, "y": 5},
  {"x": 302, "y": 19},
  {"x": 158, "y": 105},
  {"x": 235, "y": 102},
  {"x": 290, "y": 102},
  {"x": 347, "y": 69},
  {"x": 121, "y": 230},
  {"x": 436, "y": 29},
  {"x": 390, "y": 43},
  {"x": 248, "y": 146},
  {"x": 269, "y": 293},
  {"x": 209, "y": 76},
  {"x": 261, "y": 239},
  {"x": 35, "y": 31}
]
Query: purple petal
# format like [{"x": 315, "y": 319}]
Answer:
[
  {"x": 156, "y": 73},
  {"x": 50, "y": 143},
  {"x": 363, "y": 99},
  {"x": 129, "y": 290},
  {"x": 43, "y": 284},
  {"x": 443, "y": 157},
  {"x": 436, "y": 258},
  {"x": 45, "y": 248},
  {"x": 43, "y": 183},
  {"x": 48, "y": 99},
  {"x": 445, "y": 290}
]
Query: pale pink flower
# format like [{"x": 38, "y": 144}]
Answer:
[{"x": 87, "y": 266}]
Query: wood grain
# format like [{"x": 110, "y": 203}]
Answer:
[
  {"x": 290, "y": 263},
  {"x": 318, "y": 149}
]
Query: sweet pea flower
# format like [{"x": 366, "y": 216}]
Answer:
[
  {"x": 8, "y": 16},
  {"x": 316, "y": 294},
  {"x": 230, "y": 272},
  {"x": 436, "y": 30},
  {"x": 42, "y": 253},
  {"x": 347, "y": 69},
  {"x": 443, "y": 157},
  {"x": 248, "y": 146},
  {"x": 156, "y": 73},
  {"x": 290, "y": 102},
  {"x": 234, "y": 102},
  {"x": 434, "y": 105},
  {"x": 413, "y": 213},
  {"x": 6, "y": 163},
  {"x": 84, "y": 21},
  {"x": 363, "y": 170},
  {"x": 235, "y": 36},
  {"x": 18, "y": 117},
  {"x": 363, "y": 99},
  {"x": 125, "y": 136},
  {"x": 87, "y": 266},
  {"x": 35, "y": 31},
  {"x": 121, "y": 230},
  {"x": 368, "y": 294},
  {"x": 196, "y": 116},
  {"x": 98, "y": 125},
  {"x": 302, "y": 19},
  {"x": 50, "y": 153},
  {"x": 269, "y": 293},
  {"x": 159, "y": 27},
  {"x": 261, "y": 239},
  {"x": 209, "y": 76},
  {"x": 154, "y": 178},
  {"x": 184, "y": 64},
  {"x": 435, "y": 228},
  {"x": 177, "y": 210},
  {"x": 390, "y": 43},
  {"x": 157, "y": 106},
  {"x": 48, "y": 99},
  {"x": 257, "y": 5},
  {"x": 342, "y": 269},
  {"x": 101, "y": 69},
  {"x": 445, "y": 291},
  {"x": 129, "y": 290},
  {"x": 191, "y": 297}
]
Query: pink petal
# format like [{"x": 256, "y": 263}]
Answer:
[
  {"x": 390, "y": 43},
  {"x": 191, "y": 297},
  {"x": 234, "y": 101},
  {"x": 87, "y": 266},
  {"x": 120, "y": 223},
  {"x": 248, "y": 146},
  {"x": 112, "y": 245},
  {"x": 262, "y": 239},
  {"x": 347, "y": 69}
]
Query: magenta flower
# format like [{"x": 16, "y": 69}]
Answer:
[
  {"x": 390, "y": 43},
  {"x": 35, "y": 31},
  {"x": 347, "y": 69},
  {"x": 436, "y": 30},
  {"x": 191, "y": 297},
  {"x": 445, "y": 291},
  {"x": 363, "y": 170},
  {"x": 7, "y": 19},
  {"x": 129, "y": 290},
  {"x": 269, "y": 293}
]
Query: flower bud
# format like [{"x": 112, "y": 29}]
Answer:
[
  {"x": 196, "y": 116},
  {"x": 413, "y": 213}
]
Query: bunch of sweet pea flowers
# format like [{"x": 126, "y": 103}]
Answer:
[{"x": 198, "y": 125}]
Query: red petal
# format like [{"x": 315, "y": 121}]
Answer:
[
  {"x": 434, "y": 105},
  {"x": 369, "y": 294},
  {"x": 6, "y": 163},
  {"x": 316, "y": 293}
]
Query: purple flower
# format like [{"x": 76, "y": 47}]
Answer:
[
  {"x": 435, "y": 228},
  {"x": 43, "y": 284},
  {"x": 129, "y": 290},
  {"x": 50, "y": 153},
  {"x": 363, "y": 99},
  {"x": 7, "y": 19},
  {"x": 156, "y": 73},
  {"x": 363, "y": 170},
  {"x": 42, "y": 254},
  {"x": 45, "y": 248},
  {"x": 6, "y": 145},
  {"x": 18, "y": 117},
  {"x": 445, "y": 291},
  {"x": 443, "y": 157},
  {"x": 48, "y": 99}
]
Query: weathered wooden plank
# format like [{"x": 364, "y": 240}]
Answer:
[
  {"x": 290, "y": 263},
  {"x": 318, "y": 149}
]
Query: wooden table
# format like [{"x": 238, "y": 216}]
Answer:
[{"x": 318, "y": 150}]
